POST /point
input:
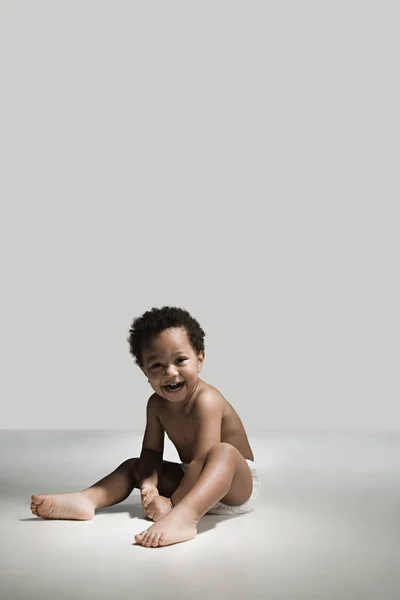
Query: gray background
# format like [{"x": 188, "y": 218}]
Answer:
[{"x": 239, "y": 159}]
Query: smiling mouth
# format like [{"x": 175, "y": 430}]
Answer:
[{"x": 175, "y": 387}]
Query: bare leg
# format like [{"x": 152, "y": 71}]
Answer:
[
  {"x": 225, "y": 477},
  {"x": 112, "y": 489}
]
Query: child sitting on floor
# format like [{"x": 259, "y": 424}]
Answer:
[{"x": 217, "y": 474}]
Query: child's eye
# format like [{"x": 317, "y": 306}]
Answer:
[
  {"x": 181, "y": 359},
  {"x": 155, "y": 366}
]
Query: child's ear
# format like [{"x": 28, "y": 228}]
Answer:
[
  {"x": 200, "y": 358},
  {"x": 145, "y": 374}
]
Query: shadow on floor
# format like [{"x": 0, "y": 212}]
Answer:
[{"x": 136, "y": 512}]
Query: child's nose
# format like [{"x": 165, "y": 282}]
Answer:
[{"x": 172, "y": 370}]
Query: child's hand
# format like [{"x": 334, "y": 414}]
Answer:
[{"x": 159, "y": 507}]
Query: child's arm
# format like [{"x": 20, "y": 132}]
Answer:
[
  {"x": 207, "y": 419},
  {"x": 151, "y": 457}
]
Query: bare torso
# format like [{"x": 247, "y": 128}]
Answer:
[{"x": 178, "y": 424}]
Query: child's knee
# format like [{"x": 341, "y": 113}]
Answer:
[
  {"x": 223, "y": 448},
  {"x": 130, "y": 466}
]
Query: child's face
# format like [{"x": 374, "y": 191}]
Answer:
[{"x": 169, "y": 359}]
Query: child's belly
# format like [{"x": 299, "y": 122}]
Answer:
[{"x": 183, "y": 444}]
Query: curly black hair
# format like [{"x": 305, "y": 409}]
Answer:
[{"x": 156, "y": 320}]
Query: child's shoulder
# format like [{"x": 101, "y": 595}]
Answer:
[
  {"x": 207, "y": 391},
  {"x": 207, "y": 397}
]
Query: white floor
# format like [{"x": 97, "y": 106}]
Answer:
[{"x": 327, "y": 524}]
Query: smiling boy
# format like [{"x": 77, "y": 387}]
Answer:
[{"x": 217, "y": 474}]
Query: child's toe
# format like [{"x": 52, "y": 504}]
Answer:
[
  {"x": 138, "y": 538},
  {"x": 146, "y": 539}
]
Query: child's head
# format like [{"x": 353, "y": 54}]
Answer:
[
  {"x": 168, "y": 345},
  {"x": 156, "y": 320}
]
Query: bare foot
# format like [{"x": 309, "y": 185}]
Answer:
[
  {"x": 75, "y": 506},
  {"x": 148, "y": 492},
  {"x": 175, "y": 527}
]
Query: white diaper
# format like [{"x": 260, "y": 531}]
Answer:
[{"x": 223, "y": 509}]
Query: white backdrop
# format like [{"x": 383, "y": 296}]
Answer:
[{"x": 239, "y": 159}]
